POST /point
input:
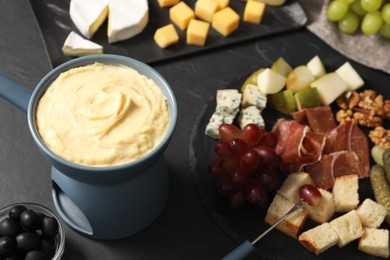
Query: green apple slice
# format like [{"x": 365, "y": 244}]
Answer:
[
  {"x": 316, "y": 67},
  {"x": 299, "y": 78},
  {"x": 252, "y": 79},
  {"x": 281, "y": 66},
  {"x": 330, "y": 87},
  {"x": 270, "y": 82},
  {"x": 282, "y": 101},
  {"x": 307, "y": 98}
]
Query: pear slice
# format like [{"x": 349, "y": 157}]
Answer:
[
  {"x": 273, "y": 2},
  {"x": 270, "y": 82},
  {"x": 281, "y": 66},
  {"x": 316, "y": 67},
  {"x": 307, "y": 98},
  {"x": 350, "y": 76},
  {"x": 330, "y": 87},
  {"x": 299, "y": 78},
  {"x": 252, "y": 79},
  {"x": 282, "y": 101}
]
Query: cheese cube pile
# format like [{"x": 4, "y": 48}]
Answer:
[
  {"x": 226, "y": 21},
  {"x": 254, "y": 11},
  {"x": 205, "y": 9},
  {"x": 166, "y": 36},
  {"x": 197, "y": 32},
  {"x": 181, "y": 14}
]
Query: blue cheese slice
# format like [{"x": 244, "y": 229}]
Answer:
[
  {"x": 75, "y": 45},
  {"x": 252, "y": 96},
  {"x": 228, "y": 102},
  {"x": 216, "y": 120},
  {"x": 251, "y": 115}
]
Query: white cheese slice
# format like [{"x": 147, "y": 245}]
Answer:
[
  {"x": 75, "y": 45},
  {"x": 126, "y": 19},
  {"x": 88, "y": 15}
]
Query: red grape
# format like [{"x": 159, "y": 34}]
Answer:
[
  {"x": 275, "y": 163},
  {"x": 239, "y": 178},
  {"x": 214, "y": 169},
  {"x": 250, "y": 160},
  {"x": 257, "y": 194},
  {"x": 229, "y": 164},
  {"x": 222, "y": 149},
  {"x": 269, "y": 178},
  {"x": 266, "y": 153},
  {"x": 268, "y": 139},
  {"x": 238, "y": 147},
  {"x": 238, "y": 199},
  {"x": 310, "y": 194},
  {"x": 251, "y": 134},
  {"x": 225, "y": 186},
  {"x": 229, "y": 132}
]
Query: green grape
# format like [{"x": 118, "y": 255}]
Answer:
[
  {"x": 371, "y": 5},
  {"x": 336, "y": 10},
  {"x": 372, "y": 22},
  {"x": 385, "y": 30},
  {"x": 349, "y": 23},
  {"x": 386, "y": 13},
  {"x": 357, "y": 8},
  {"x": 348, "y": 1}
]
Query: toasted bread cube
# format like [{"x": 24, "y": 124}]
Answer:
[
  {"x": 222, "y": 3},
  {"x": 371, "y": 213},
  {"x": 166, "y": 36},
  {"x": 205, "y": 9},
  {"x": 181, "y": 15},
  {"x": 346, "y": 192},
  {"x": 319, "y": 239},
  {"x": 254, "y": 11},
  {"x": 226, "y": 21},
  {"x": 375, "y": 242},
  {"x": 291, "y": 225},
  {"x": 197, "y": 32},
  {"x": 290, "y": 187},
  {"x": 166, "y": 3},
  {"x": 347, "y": 228},
  {"x": 324, "y": 210}
]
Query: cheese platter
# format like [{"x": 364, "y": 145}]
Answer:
[{"x": 56, "y": 24}]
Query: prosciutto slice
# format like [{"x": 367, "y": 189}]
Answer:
[{"x": 320, "y": 119}]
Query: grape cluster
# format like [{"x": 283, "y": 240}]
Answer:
[
  {"x": 372, "y": 16},
  {"x": 27, "y": 234},
  {"x": 246, "y": 164}
]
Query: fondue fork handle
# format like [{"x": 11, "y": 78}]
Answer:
[{"x": 15, "y": 94}]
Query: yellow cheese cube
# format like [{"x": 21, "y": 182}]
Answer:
[
  {"x": 254, "y": 11},
  {"x": 222, "y": 3},
  {"x": 166, "y": 3},
  {"x": 225, "y": 21},
  {"x": 166, "y": 36},
  {"x": 205, "y": 9},
  {"x": 197, "y": 32},
  {"x": 181, "y": 14}
]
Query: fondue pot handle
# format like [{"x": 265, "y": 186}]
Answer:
[{"x": 15, "y": 94}]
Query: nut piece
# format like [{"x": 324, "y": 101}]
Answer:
[
  {"x": 366, "y": 108},
  {"x": 380, "y": 136}
]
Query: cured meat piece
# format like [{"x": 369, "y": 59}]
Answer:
[
  {"x": 320, "y": 119},
  {"x": 297, "y": 145},
  {"x": 349, "y": 137},
  {"x": 331, "y": 166}
]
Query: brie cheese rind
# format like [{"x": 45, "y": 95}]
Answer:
[
  {"x": 126, "y": 18},
  {"x": 75, "y": 45},
  {"x": 88, "y": 15}
]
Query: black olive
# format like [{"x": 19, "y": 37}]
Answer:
[
  {"x": 9, "y": 227},
  {"x": 27, "y": 241},
  {"x": 15, "y": 212},
  {"x": 29, "y": 219},
  {"x": 49, "y": 227},
  {"x": 36, "y": 255},
  {"x": 48, "y": 247},
  {"x": 7, "y": 244}
]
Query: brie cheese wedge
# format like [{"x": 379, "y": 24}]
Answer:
[
  {"x": 75, "y": 45},
  {"x": 126, "y": 18}
]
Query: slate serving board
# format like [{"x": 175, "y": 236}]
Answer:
[{"x": 55, "y": 23}]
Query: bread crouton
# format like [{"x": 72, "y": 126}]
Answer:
[
  {"x": 319, "y": 239},
  {"x": 375, "y": 242},
  {"x": 291, "y": 225},
  {"x": 346, "y": 193},
  {"x": 347, "y": 227},
  {"x": 291, "y": 185},
  {"x": 371, "y": 213},
  {"x": 324, "y": 210}
]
